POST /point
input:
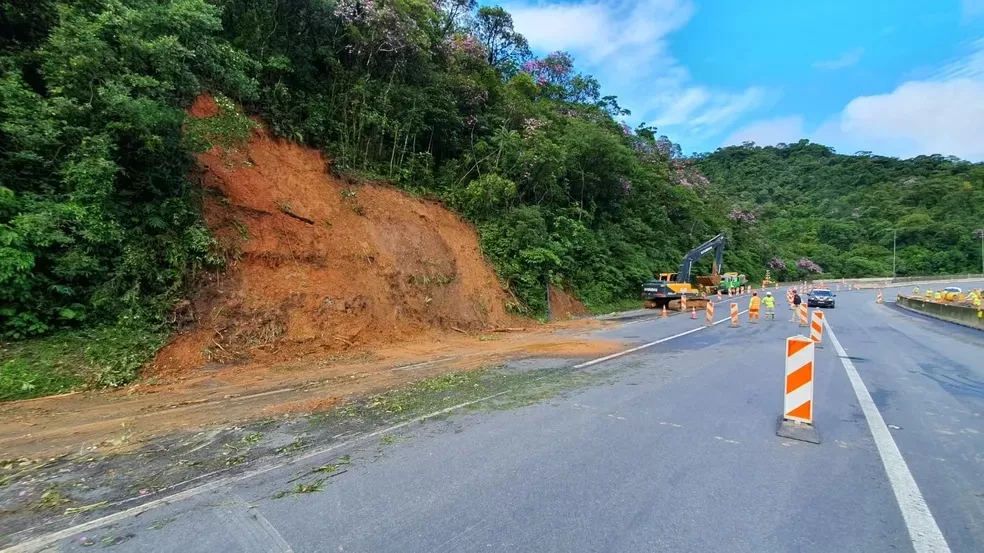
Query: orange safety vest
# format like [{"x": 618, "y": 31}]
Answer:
[{"x": 754, "y": 304}]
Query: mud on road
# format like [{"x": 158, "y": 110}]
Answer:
[{"x": 92, "y": 455}]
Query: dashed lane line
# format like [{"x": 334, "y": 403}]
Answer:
[{"x": 651, "y": 344}]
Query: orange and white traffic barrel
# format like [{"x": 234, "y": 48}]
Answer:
[
  {"x": 719, "y": 295},
  {"x": 802, "y": 315},
  {"x": 816, "y": 328},
  {"x": 734, "y": 315},
  {"x": 879, "y": 300},
  {"x": 683, "y": 302},
  {"x": 709, "y": 316},
  {"x": 797, "y": 404}
]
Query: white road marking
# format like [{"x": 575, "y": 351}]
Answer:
[
  {"x": 651, "y": 344},
  {"x": 251, "y": 529},
  {"x": 45, "y": 541},
  {"x": 924, "y": 533}
]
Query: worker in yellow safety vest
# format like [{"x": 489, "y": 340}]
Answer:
[
  {"x": 977, "y": 302},
  {"x": 770, "y": 306},
  {"x": 938, "y": 296},
  {"x": 929, "y": 294}
]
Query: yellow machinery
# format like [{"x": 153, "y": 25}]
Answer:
[
  {"x": 768, "y": 279},
  {"x": 668, "y": 288}
]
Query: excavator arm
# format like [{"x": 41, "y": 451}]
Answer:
[{"x": 716, "y": 244}]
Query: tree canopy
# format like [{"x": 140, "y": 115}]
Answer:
[
  {"x": 99, "y": 222},
  {"x": 843, "y": 212}
]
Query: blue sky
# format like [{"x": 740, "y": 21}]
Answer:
[{"x": 895, "y": 77}]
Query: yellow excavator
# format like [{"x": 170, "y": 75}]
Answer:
[{"x": 667, "y": 288}]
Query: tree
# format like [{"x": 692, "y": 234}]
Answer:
[{"x": 504, "y": 47}]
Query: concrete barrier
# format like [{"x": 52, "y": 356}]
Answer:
[{"x": 957, "y": 314}]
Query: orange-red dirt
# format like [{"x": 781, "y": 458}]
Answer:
[
  {"x": 320, "y": 266},
  {"x": 333, "y": 290},
  {"x": 564, "y": 305}
]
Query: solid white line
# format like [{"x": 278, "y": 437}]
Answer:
[
  {"x": 650, "y": 344},
  {"x": 42, "y": 542},
  {"x": 923, "y": 530}
]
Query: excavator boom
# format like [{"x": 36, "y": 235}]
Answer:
[{"x": 716, "y": 244}]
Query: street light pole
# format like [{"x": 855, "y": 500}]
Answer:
[
  {"x": 894, "y": 234},
  {"x": 980, "y": 234}
]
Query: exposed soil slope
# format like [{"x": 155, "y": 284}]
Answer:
[
  {"x": 564, "y": 305},
  {"x": 321, "y": 265}
]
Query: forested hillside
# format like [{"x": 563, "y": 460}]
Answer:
[
  {"x": 841, "y": 212},
  {"x": 101, "y": 230},
  {"x": 99, "y": 219}
]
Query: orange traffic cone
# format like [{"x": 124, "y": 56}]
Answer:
[
  {"x": 693, "y": 314},
  {"x": 664, "y": 312}
]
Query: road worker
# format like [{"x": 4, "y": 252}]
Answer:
[
  {"x": 938, "y": 296},
  {"x": 977, "y": 302},
  {"x": 754, "y": 308},
  {"x": 915, "y": 291},
  {"x": 929, "y": 294},
  {"x": 770, "y": 306}
]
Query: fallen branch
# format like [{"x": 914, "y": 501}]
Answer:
[
  {"x": 296, "y": 216},
  {"x": 510, "y": 329},
  {"x": 339, "y": 338},
  {"x": 456, "y": 329}
]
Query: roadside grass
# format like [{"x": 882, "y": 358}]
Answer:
[
  {"x": 616, "y": 306},
  {"x": 106, "y": 356},
  {"x": 511, "y": 389}
]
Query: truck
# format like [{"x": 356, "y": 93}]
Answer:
[
  {"x": 667, "y": 288},
  {"x": 732, "y": 281}
]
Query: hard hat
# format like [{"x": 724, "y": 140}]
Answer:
[{"x": 768, "y": 293}]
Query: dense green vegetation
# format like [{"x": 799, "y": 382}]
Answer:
[
  {"x": 100, "y": 228},
  {"x": 842, "y": 212}
]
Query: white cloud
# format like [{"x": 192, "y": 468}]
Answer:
[
  {"x": 847, "y": 59},
  {"x": 970, "y": 66},
  {"x": 919, "y": 117},
  {"x": 599, "y": 30},
  {"x": 940, "y": 115},
  {"x": 625, "y": 44},
  {"x": 769, "y": 132}
]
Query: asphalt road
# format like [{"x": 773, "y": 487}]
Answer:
[{"x": 676, "y": 451}]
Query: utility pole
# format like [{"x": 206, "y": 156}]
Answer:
[
  {"x": 980, "y": 234},
  {"x": 894, "y": 235}
]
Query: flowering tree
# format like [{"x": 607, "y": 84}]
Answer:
[
  {"x": 375, "y": 29},
  {"x": 809, "y": 266},
  {"x": 776, "y": 264},
  {"x": 556, "y": 77},
  {"x": 742, "y": 216},
  {"x": 466, "y": 46}
]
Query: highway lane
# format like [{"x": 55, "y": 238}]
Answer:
[
  {"x": 676, "y": 453},
  {"x": 927, "y": 378}
]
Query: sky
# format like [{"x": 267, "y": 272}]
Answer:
[{"x": 893, "y": 77}]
